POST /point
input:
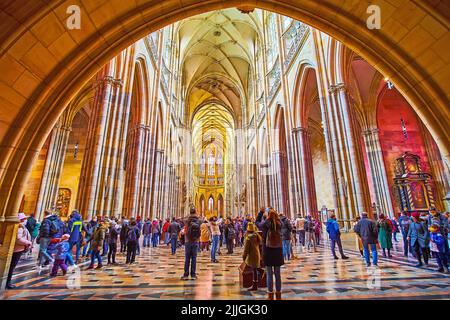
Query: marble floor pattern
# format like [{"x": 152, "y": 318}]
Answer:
[{"x": 310, "y": 276}]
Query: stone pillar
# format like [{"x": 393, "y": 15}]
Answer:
[
  {"x": 280, "y": 179},
  {"x": 156, "y": 183},
  {"x": 378, "y": 171},
  {"x": 8, "y": 234},
  {"x": 306, "y": 185},
  {"x": 54, "y": 163}
]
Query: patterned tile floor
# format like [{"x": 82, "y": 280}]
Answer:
[{"x": 309, "y": 276}]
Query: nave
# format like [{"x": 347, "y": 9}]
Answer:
[{"x": 310, "y": 276}]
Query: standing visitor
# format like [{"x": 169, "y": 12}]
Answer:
[
  {"x": 230, "y": 235},
  {"x": 22, "y": 244},
  {"x": 404, "y": 223},
  {"x": 147, "y": 232},
  {"x": 385, "y": 235},
  {"x": 286, "y": 232},
  {"x": 75, "y": 226},
  {"x": 272, "y": 252},
  {"x": 165, "y": 230},
  {"x": 139, "y": 225},
  {"x": 174, "y": 231},
  {"x": 358, "y": 241},
  {"x": 309, "y": 233},
  {"x": 133, "y": 234},
  {"x": 252, "y": 254},
  {"x": 317, "y": 230},
  {"x": 215, "y": 234},
  {"x": 300, "y": 225},
  {"x": 113, "y": 235},
  {"x": 205, "y": 236},
  {"x": 191, "y": 244},
  {"x": 367, "y": 230},
  {"x": 49, "y": 228},
  {"x": 437, "y": 246},
  {"x": 32, "y": 225},
  {"x": 155, "y": 233},
  {"x": 395, "y": 227},
  {"x": 98, "y": 238},
  {"x": 62, "y": 249},
  {"x": 123, "y": 235},
  {"x": 91, "y": 226},
  {"x": 335, "y": 237},
  {"x": 417, "y": 237}
]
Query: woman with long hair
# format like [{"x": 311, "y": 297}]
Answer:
[{"x": 273, "y": 253}]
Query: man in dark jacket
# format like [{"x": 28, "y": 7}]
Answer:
[
  {"x": 133, "y": 235},
  {"x": 191, "y": 245},
  {"x": 367, "y": 230},
  {"x": 404, "y": 222},
  {"x": 75, "y": 226},
  {"x": 174, "y": 230},
  {"x": 47, "y": 231},
  {"x": 335, "y": 237},
  {"x": 113, "y": 235},
  {"x": 31, "y": 224},
  {"x": 147, "y": 232},
  {"x": 286, "y": 236}
]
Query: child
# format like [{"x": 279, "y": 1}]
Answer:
[
  {"x": 62, "y": 248},
  {"x": 437, "y": 247}
]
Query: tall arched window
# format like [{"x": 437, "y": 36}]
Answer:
[
  {"x": 210, "y": 204},
  {"x": 219, "y": 164},
  {"x": 211, "y": 164}
]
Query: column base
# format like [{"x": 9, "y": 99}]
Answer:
[{"x": 8, "y": 234}]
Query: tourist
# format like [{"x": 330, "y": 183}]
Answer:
[
  {"x": 335, "y": 237},
  {"x": 230, "y": 235},
  {"x": 260, "y": 217},
  {"x": 252, "y": 254},
  {"x": 98, "y": 237},
  {"x": 49, "y": 228},
  {"x": 310, "y": 237},
  {"x": 367, "y": 229},
  {"x": 205, "y": 236},
  {"x": 358, "y": 241},
  {"x": 239, "y": 233},
  {"x": 139, "y": 225},
  {"x": 123, "y": 235},
  {"x": 105, "y": 247},
  {"x": 113, "y": 236},
  {"x": 155, "y": 233},
  {"x": 23, "y": 244},
  {"x": 395, "y": 227},
  {"x": 317, "y": 230},
  {"x": 385, "y": 235},
  {"x": 174, "y": 231},
  {"x": 437, "y": 247},
  {"x": 272, "y": 253},
  {"x": 133, "y": 234},
  {"x": 248, "y": 218},
  {"x": 62, "y": 250},
  {"x": 215, "y": 234},
  {"x": 191, "y": 246},
  {"x": 404, "y": 222},
  {"x": 417, "y": 237},
  {"x": 90, "y": 228},
  {"x": 300, "y": 226},
  {"x": 147, "y": 232},
  {"x": 75, "y": 226},
  {"x": 442, "y": 221},
  {"x": 31, "y": 225},
  {"x": 286, "y": 232}
]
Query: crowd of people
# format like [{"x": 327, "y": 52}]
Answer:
[{"x": 268, "y": 240}]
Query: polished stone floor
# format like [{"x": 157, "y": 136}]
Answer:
[{"x": 309, "y": 276}]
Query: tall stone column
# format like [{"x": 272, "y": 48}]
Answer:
[
  {"x": 347, "y": 166},
  {"x": 378, "y": 170},
  {"x": 280, "y": 179},
  {"x": 306, "y": 185},
  {"x": 156, "y": 204},
  {"x": 48, "y": 192}
]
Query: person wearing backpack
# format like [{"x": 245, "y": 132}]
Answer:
[
  {"x": 49, "y": 228},
  {"x": 272, "y": 253},
  {"x": 133, "y": 234},
  {"x": 230, "y": 235},
  {"x": 286, "y": 233},
  {"x": 191, "y": 244}
]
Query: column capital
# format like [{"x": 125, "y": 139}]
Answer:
[
  {"x": 109, "y": 80},
  {"x": 337, "y": 88}
]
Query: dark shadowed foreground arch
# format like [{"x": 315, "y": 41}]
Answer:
[{"x": 43, "y": 64}]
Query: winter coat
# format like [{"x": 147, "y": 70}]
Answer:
[
  {"x": 437, "y": 243},
  {"x": 252, "y": 254},
  {"x": 367, "y": 230},
  {"x": 385, "y": 234},
  {"x": 272, "y": 257},
  {"x": 147, "y": 228},
  {"x": 98, "y": 237},
  {"x": 309, "y": 225},
  {"x": 155, "y": 227},
  {"x": 31, "y": 224},
  {"x": 46, "y": 225},
  {"x": 333, "y": 229},
  {"x": 215, "y": 229},
  {"x": 418, "y": 233},
  {"x": 113, "y": 235},
  {"x": 124, "y": 232},
  {"x": 358, "y": 241},
  {"x": 36, "y": 230},
  {"x": 300, "y": 223},
  {"x": 136, "y": 230},
  {"x": 174, "y": 230},
  {"x": 62, "y": 248},
  {"x": 188, "y": 236},
  {"x": 404, "y": 223},
  {"x": 205, "y": 233},
  {"x": 286, "y": 229},
  {"x": 75, "y": 226},
  {"x": 23, "y": 240}
]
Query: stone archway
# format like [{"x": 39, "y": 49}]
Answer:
[{"x": 43, "y": 65}]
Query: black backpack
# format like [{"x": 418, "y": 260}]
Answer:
[
  {"x": 194, "y": 229},
  {"x": 54, "y": 227}
]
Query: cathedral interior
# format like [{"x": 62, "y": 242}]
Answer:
[{"x": 228, "y": 110}]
